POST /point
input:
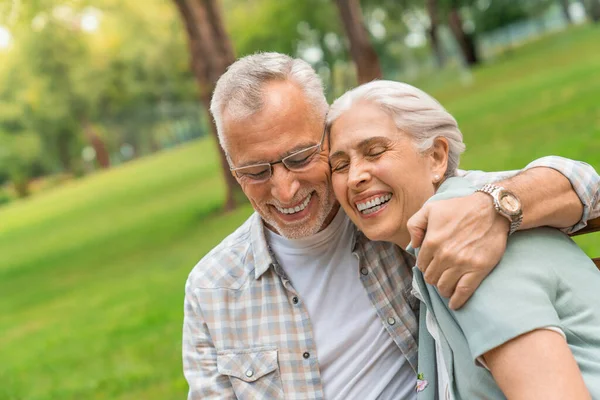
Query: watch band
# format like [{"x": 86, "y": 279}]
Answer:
[{"x": 494, "y": 191}]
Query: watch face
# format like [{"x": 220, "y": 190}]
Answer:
[{"x": 510, "y": 203}]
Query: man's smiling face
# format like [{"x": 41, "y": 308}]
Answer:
[{"x": 295, "y": 204}]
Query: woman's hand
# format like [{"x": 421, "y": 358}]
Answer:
[{"x": 465, "y": 240}]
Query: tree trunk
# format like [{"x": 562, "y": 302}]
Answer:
[
  {"x": 63, "y": 142},
  {"x": 594, "y": 11},
  {"x": 362, "y": 51},
  {"x": 564, "y": 5},
  {"x": 466, "y": 41},
  {"x": 211, "y": 53},
  {"x": 97, "y": 143},
  {"x": 434, "y": 40}
]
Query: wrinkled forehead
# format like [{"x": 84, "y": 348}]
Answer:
[
  {"x": 285, "y": 123},
  {"x": 362, "y": 121}
]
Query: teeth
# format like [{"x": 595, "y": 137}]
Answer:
[
  {"x": 373, "y": 205},
  {"x": 293, "y": 210},
  {"x": 371, "y": 210}
]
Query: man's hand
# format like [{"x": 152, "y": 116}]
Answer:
[{"x": 465, "y": 240}]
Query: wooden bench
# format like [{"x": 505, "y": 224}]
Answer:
[{"x": 592, "y": 226}]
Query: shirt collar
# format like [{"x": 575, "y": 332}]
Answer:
[
  {"x": 263, "y": 258},
  {"x": 360, "y": 240},
  {"x": 357, "y": 237}
]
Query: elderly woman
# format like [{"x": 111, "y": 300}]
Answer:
[{"x": 394, "y": 148}]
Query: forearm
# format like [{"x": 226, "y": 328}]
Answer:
[
  {"x": 547, "y": 198},
  {"x": 537, "y": 365},
  {"x": 583, "y": 179}
]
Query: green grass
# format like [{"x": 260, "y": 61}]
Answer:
[{"x": 92, "y": 273}]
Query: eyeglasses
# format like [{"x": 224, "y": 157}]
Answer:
[{"x": 298, "y": 161}]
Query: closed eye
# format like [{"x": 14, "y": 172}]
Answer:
[
  {"x": 376, "y": 151},
  {"x": 257, "y": 175},
  {"x": 339, "y": 166},
  {"x": 298, "y": 161},
  {"x": 301, "y": 158},
  {"x": 253, "y": 173}
]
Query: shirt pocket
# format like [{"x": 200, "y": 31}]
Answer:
[{"x": 254, "y": 373}]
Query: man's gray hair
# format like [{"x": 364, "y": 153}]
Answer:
[
  {"x": 415, "y": 112},
  {"x": 239, "y": 91}
]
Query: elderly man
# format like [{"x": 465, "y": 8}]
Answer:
[{"x": 297, "y": 303}]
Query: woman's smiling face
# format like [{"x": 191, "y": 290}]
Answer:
[{"x": 378, "y": 175}]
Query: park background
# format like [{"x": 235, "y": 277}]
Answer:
[{"x": 111, "y": 182}]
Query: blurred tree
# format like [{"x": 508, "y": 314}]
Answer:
[
  {"x": 293, "y": 27},
  {"x": 592, "y": 9},
  {"x": 403, "y": 20},
  {"x": 433, "y": 11},
  {"x": 564, "y": 6},
  {"x": 536, "y": 10},
  {"x": 466, "y": 40},
  {"x": 93, "y": 76},
  {"x": 362, "y": 51},
  {"x": 19, "y": 155},
  {"x": 500, "y": 13},
  {"x": 59, "y": 109},
  {"x": 211, "y": 53}
]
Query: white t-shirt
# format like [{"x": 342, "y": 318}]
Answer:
[{"x": 357, "y": 357}]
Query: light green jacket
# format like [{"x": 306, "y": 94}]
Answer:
[{"x": 543, "y": 280}]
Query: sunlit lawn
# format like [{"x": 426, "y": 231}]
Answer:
[
  {"x": 92, "y": 273},
  {"x": 91, "y": 279}
]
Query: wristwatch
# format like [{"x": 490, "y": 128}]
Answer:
[{"x": 506, "y": 204}]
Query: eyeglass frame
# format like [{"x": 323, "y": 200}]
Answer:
[{"x": 318, "y": 148}]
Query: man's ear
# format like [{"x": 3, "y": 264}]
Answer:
[{"x": 439, "y": 156}]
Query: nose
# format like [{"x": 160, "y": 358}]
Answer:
[
  {"x": 358, "y": 175},
  {"x": 284, "y": 184}
]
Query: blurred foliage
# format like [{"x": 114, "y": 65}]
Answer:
[
  {"x": 73, "y": 66},
  {"x": 498, "y": 14},
  {"x": 19, "y": 156},
  {"x": 117, "y": 71}
]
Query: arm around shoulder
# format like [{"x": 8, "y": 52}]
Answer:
[
  {"x": 557, "y": 192},
  {"x": 554, "y": 191}
]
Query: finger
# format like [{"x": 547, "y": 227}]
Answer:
[
  {"x": 417, "y": 226},
  {"x": 446, "y": 285},
  {"x": 434, "y": 270},
  {"x": 426, "y": 252},
  {"x": 465, "y": 288}
]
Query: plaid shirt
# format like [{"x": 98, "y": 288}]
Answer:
[{"x": 245, "y": 334}]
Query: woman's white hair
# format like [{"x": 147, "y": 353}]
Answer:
[
  {"x": 240, "y": 89},
  {"x": 415, "y": 113}
]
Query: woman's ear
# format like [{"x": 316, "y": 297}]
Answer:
[{"x": 439, "y": 156}]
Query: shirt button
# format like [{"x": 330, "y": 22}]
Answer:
[
  {"x": 306, "y": 354},
  {"x": 391, "y": 321},
  {"x": 364, "y": 271},
  {"x": 295, "y": 300},
  {"x": 249, "y": 373}
]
